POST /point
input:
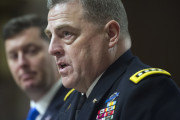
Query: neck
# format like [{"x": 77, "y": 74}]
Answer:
[
  {"x": 122, "y": 46},
  {"x": 37, "y": 94}
]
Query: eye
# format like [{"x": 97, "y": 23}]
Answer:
[
  {"x": 67, "y": 34},
  {"x": 49, "y": 35},
  {"x": 13, "y": 56},
  {"x": 32, "y": 50}
]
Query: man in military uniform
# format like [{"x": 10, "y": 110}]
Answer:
[{"x": 91, "y": 43}]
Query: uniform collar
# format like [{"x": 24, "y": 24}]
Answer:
[
  {"x": 92, "y": 86},
  {"x": 106, "y": 81}
]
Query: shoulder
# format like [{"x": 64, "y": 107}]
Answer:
[
  {"x": 153, "y": 81},
  {"x": 141, "y": 75},
  {"x": 155, "y": 87},
  {"x": 68, "y": 94}
]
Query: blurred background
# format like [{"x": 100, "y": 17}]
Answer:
[{"x": 154, "y": 26}]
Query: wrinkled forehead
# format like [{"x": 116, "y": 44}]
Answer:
[{"x": 65, "y": 13}]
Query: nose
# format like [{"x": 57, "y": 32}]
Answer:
[
  {"x": 56, "y": 47},
  {"x": 22, "y": 61}
]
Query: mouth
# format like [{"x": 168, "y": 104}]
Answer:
[
  {"x": 63, "y": 65},
  {"x": 27, "y": 76},
  {"x": 64, "y": 68}
]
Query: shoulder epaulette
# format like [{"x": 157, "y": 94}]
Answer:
[
  {"x": 138, "y": 76},
  {"x": 68, "y": 94}
]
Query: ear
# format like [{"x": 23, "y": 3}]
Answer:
[{"x": 113, "y": 29}]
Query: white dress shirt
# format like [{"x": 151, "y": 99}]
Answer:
[
  {"x": 43, "y": 103},
  {"x": 92, "y": 86}
]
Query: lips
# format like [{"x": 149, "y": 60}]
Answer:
[
  {"x": 27, "y": 76},
  {"x": 64, "y": 67}
]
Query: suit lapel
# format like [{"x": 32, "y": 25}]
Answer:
[{"x": 56, "y": 104}]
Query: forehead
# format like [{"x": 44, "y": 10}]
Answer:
[
  {"x": 64, "y": 12},
  {"x": 64, "y": 8},
  {"x": 26, "y": 37}
]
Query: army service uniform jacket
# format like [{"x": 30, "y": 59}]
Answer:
[{"x": 128, "y": 90}]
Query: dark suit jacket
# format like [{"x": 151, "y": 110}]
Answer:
[
  {"x": 56, "y": 104},
  {"x": 116, "y": 97}
]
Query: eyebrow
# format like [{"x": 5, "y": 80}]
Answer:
[
  {"x": 25, "y": 46},
  {"x": 59, "y": 27}
]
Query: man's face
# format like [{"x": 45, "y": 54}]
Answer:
[
  {"x": 79, "y": 46},
  {"x": 29, "y": 61}
]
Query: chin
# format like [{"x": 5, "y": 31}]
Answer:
[
  {"x": 30, "y": 89},
  {"x": 28, "y": 86},
  {"x": 68, "y": 83}
]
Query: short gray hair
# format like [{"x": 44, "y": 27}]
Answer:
[{"x": 100, "y": 11}]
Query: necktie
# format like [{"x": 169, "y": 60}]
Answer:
[
  {"x": 33, "y": 113},
  {"x": 80, "y": 104}
]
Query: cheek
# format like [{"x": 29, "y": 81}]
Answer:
[
  {"x": 39, "y": 64},
  {"x": 84, "y": 52},
  {"x": 13, "y": 69},
  {"x": 82, "y": 59}
]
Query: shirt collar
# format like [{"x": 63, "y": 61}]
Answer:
[
  {"x": 92, "y": 86},
  {"x": 44, "y": 102}
]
